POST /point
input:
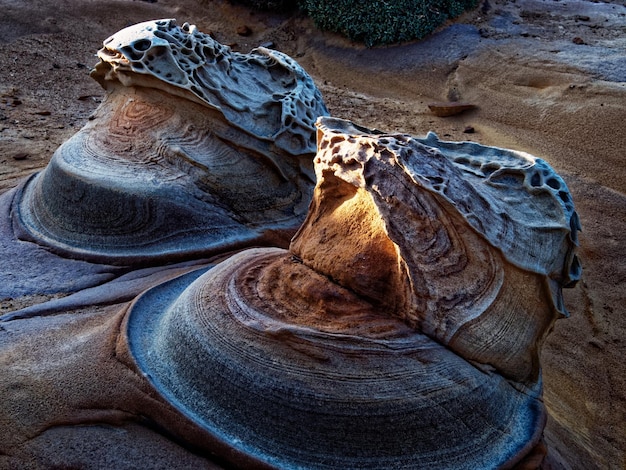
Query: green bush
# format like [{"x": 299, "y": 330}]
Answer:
[{"x": 383, "y": 21}]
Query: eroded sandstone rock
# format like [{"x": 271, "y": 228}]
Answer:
[
  {"x": 402, "y": 327},
  {"x": 195, "y": 150}
]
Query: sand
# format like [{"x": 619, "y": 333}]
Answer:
[{"x": 548, "y": 77}]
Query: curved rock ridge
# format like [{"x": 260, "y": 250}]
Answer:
[
  {"x": 264, "y": 92},
  {"x": 398, "y": 330},
  {"x": 194, "y": 151},
  {"x": 285, "y": 369}
]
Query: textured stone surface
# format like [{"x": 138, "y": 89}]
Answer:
[
  {"x": 195, "y": 150},
  {"x": 316, "y": 377},
  {"x": 400, "y": 329},
  {"x": 486, "y": 238},
  {"x": 75, "y": 401},
  {"x": 405, "y": 264},
  {"x": 536, "y": 89},
  {"x": 265, "y": 92}
]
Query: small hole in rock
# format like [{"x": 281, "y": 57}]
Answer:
[
  {"x": 142, "y": 45},
  {"x": 535, "y": 180},
  {"x": 553, "y": 183}
]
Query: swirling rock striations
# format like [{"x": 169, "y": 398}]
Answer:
[
  {"x": 195, "y": 149},
  {"x": 400, "y": 330},
  {"x": 483, "y": 237}
]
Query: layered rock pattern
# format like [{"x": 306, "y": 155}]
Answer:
[
  {"x": 395, "y": 331},
  {"x": 401, "y": 329},
  {"x": 481, "y": 236},
  {"x": 264, "y": 92},
  {"x": 195, "y": 150}
]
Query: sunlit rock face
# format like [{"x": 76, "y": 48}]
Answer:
[
  {"x": 195, "y": 149},
  {"x": 477, "y": 239},
  {"x": 400, "y": 330}
]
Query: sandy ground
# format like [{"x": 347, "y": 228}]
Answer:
[{"x": 548, "y": 77}]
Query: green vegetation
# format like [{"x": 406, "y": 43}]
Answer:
[
  {"x": 374, "y": 22},
  {"x": 383, "y": 21}
]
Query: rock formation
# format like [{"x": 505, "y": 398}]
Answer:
[
  {"x": 402, "y": 327},
  {"x": 194, "y": 149}
]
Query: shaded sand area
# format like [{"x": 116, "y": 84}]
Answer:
[{"x": 547, "y": 77}]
